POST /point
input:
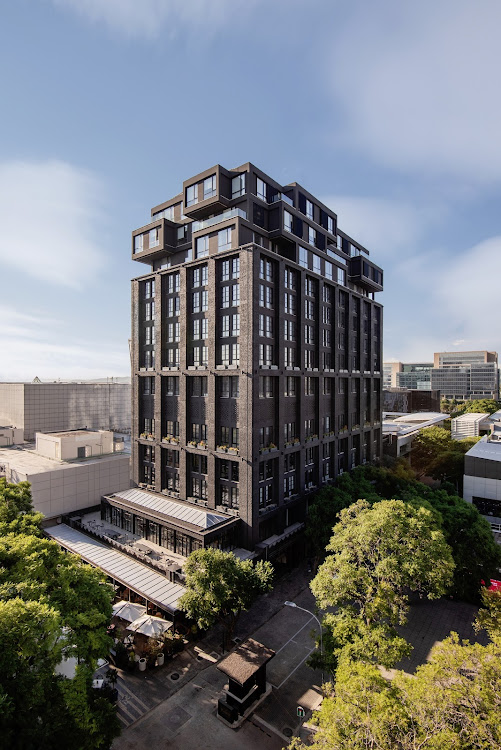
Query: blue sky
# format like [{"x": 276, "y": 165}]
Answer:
[{"x": 390, "y": 112}]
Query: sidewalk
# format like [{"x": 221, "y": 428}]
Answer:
[{"x": 181, "y": 714}]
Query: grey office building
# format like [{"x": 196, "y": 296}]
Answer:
[
  {"x": 466, "y": 376},
  {"x": 256, "y": 362}
]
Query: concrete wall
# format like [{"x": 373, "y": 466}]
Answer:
[
  {"x": 66, "y": 447},
  {"x": 10, "y": 436},
  {"x": 54, "y": 407},
  {"x": 12, "y": 404},
  {"x": 77, "y": 486}
]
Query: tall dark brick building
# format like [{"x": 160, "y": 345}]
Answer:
[{"x": 256, "y": 362}]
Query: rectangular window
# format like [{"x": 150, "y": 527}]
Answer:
[
  {"x": 200, "y": 275},
  {"x": 309, "y": 287},
  {"x": 149, "y": 310},
  {"x": 191, "y": 195},
  {"x": 289, "y": 330},
  {"x": 172, "y": 388},
  {"x": 225, "y": 296},
  {"x": 225, "y": 327},
  {"x": 265, "y": 354},
  {"x": 309, "y": 310},
  {"x": 309, "y": 336},
  {"x": 238, "y": 186},
  {"x": 289, "y": 357},
  {"x": 235, "y": 325},
  {"x": 202, "y": 246},
  {"x": 235, "y": 295},
  {"x": 261, "y": 189},
  {"x": 303, "y": 257},
  {"x": 290, "y": 279},
  {"x": 312, "y": 236},
  {"x": 153, "y": 237},
  {"x": 235, "y": 268},
  {"x": 149, "y": 289},
  {"x": 173, "y": 283},
  {"x": 309, "y": 209},
  {"x": 317, "y": 264},
  {"x": 266, "y": 387},
  {"x": 287, "y": 221},
  {"x": 225, "y": 270},
  {"x": 330, "y": 224},
  {"x": 290, "y": 386},
  {"x": 341, "y": 276},
  {"x": 290, "y": 304},
  {"x": 210, "y": 187},
  {"x": 196, "y": 329},
  {"x": 138, "y": 243},
  {"x": 328, "y": 270},
  {"x": 224, "y": 239},
  {"x": 196, "y": 302}
]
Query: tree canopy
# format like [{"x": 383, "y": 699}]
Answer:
[
  {"x": 452, "y": 703},
  {"x": 52, "y": 606},
  {"x": 478, "y": 406},
  {"x": 435, "y": 454},
  {"x": 476, "y": 555},
  {"x": 219, "y": 586},
  {"x": 379, "y": 554}
]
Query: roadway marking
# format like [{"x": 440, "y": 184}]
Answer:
[
  {"x": 293, "y": 636},
  {"x": 297, "y": 667},
  {"x": 134, "y": 697}
]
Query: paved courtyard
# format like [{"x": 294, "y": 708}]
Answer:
[{"x": 157, "y": 711}]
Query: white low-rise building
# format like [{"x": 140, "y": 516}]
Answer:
[
  {"x": 68, "y": 471},
  {"x": 482, "y": 476},
  {"x": 399, "y": 430},
  {"x": 10, "y": 436}
]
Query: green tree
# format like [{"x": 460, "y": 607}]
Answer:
[
  {"x": 435, "y": 454},
  {"x": 219, "y": 586},
  {"x": 51, "y": 606},
  {"x": 452, "y": 703},
  {"x": 379, "y": 554},
  {"x": 476, "y": 554},
  {"x": 482, "y": 405}
]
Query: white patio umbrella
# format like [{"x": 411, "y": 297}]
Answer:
[
  {"x": 149, "y": 625},
  {"x": 128, "y": 610}
]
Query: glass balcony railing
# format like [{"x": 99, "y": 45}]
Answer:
[
  {"x": 230, "y": 214},
  {"x": 281, "y": 197}
]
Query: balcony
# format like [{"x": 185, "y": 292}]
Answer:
[
  {"x": 197, "y": 226},
  {"x": 281, "y": 197},
  {"x": 147, "y": 246}
]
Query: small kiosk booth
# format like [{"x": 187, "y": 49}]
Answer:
[{"x": 245, "y": 668}]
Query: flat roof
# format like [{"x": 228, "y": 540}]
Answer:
[
  {"x": 471, "y": 417},
  {"x": 143, "y": 580},
  {"x": 27, "y": 461},
  {"x": 73, "y": 433},
  {"x": 185, "y": 512},
  {"x": 488, "y": 449}
]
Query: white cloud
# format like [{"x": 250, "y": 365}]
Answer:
[
  {"x": 33, "y": 344},
  {"x": 151, "y": 17},
  {"x": 466, "y": 291},
  {"x": 417, "y": 86},
  {"x": 448, "y": 303},
  {"x": 50, "y": 214},
  {"x": 382, "y": 225}
]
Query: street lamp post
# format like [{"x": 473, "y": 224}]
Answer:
[{"x": 296, "y": 606}]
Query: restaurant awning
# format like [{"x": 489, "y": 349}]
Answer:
[{"x": 149, "y": 584}]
